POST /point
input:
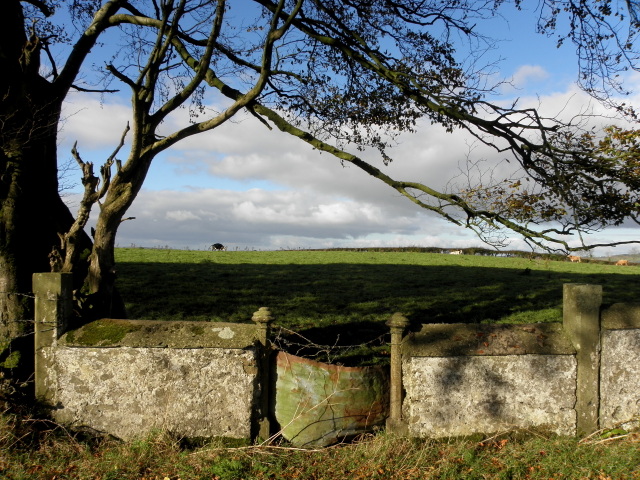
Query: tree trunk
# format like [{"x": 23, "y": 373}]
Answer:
[
  {"x": 32, "y": 214},
  {"x": 31, "y": 210},
  {"x": 104, "y": 299}
]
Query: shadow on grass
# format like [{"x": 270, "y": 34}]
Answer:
[{"x": 348, "y": 304}]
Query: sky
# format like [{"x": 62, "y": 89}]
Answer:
[{"x": 254, "y": 189}]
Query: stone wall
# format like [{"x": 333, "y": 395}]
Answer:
[
  {"x": 571, "y": 378},
  {"x": 198, "y": 379},
  {"x": 620, "y": 367},
  {"x": 466, "y": 379},
  {"x": 130, "y": 377},
  {"x": 128, "y": 392}
]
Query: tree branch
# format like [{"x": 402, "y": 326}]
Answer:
[
  {"x": 84, "y": 45},
  {"x": 90, "y": 196},
  {"x": 474, "y": 217},
  {"x": 40, "y": 5},
  {"x": 201, "y": 70},
  {"x": 90, "y": 90}
]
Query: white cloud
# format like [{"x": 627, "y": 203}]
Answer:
[
  {"x": 93, "y": 124},
  {"x": 256, "y": 188},
  {"x": 181, "y": 215},
  {"x": 527, "y": 74}
]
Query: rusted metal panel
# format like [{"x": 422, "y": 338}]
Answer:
[{"x": 318, "y": 404}]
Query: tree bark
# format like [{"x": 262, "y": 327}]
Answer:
[
  {"x": 32, "y": 214},
  {"x": 31, "y": 210},
  {"x": 104, "y": 299}
]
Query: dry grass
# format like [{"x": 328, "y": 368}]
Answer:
[{"x": 33, "y": 449}]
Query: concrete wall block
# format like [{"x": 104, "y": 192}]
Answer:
[
  {"x": 621, "y": 315},
  {"x": 46, "y": 374},
  {"x": 128, "y": 392},
  {"x": 620, "y": 379},
  {"x": 466, "y": 395}
]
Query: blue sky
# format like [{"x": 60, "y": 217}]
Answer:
[{"x": 250, "y": 188}]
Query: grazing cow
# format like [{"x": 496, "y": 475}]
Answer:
[
  {"x": 455, "y": 252},
  {"x": 574, "y": 258},
  {"x": 218, "y": 247},
  {"x": 623, "y": 262}
]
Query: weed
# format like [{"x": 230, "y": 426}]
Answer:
[{"x": 228, "y": 469}]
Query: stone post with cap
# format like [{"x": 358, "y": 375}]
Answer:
[
  {"x": 397, "y": 324},
  {"x": 263, "y": 320}
]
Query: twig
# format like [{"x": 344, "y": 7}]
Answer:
[{"x": 609, "y": 439}]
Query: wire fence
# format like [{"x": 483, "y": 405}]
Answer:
[
  {"x": 297, "y": 344},
  {"x": 4, "y": 323},
  {"x": 282, "y": 338}
]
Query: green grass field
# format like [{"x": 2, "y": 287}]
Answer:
[
  {"x": 344, "y": 298},
  {"x": 320, "y": 288}
]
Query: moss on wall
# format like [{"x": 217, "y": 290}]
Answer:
[
  {"x": 101, "y": 333},
  {"x": 12, "y": 360},
  {"x": 161, "y": 334}
]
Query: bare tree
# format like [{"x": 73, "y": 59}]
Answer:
[
  {"x": 341, "y": 76},
  {"x": 32, "y": 214}
]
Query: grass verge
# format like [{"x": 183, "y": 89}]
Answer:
[{"x": 36, "y": 450}]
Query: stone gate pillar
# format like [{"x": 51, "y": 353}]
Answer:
[
  {"x": 53, "y": 309},
  {"x": 397, "y": 324},
  {"x": 263, "y": 320},
  {"x": 581, "y": 320}
]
